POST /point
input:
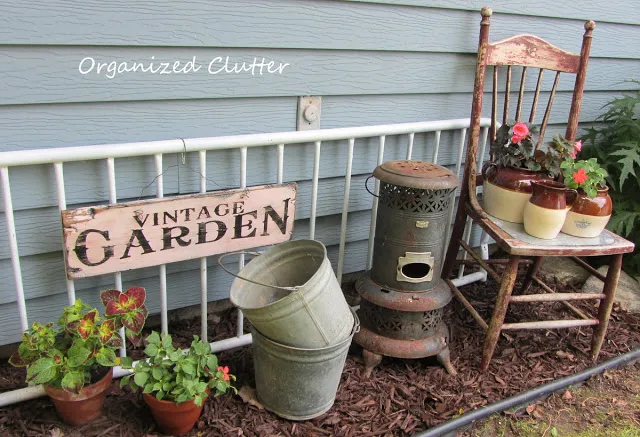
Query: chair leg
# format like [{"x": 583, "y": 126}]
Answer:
[
  {"x": 454, "y": 242},
  {"x": 531, "y": 272},
  {"x": 500, "y": 310},
  {"x": 604, "y": 310}
]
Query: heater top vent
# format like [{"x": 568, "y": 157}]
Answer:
[{"x": 416, "y": 174}]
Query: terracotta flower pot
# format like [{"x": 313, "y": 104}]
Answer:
[
  {"x": 506, "y": 191},
  {"x": 588, "y": 217},
  {"x": 82, "y": 407},
  {"x": 172, "y": 418},
  {"x": 545, "y": 212}
]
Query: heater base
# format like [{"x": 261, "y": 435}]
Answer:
[{"x": 376, "y": 346}]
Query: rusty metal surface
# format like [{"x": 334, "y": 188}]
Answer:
[
  {"x": 400, "y": 325},
  {"x": 402, "y": 300},
  {"x": 416, "y": 174},
  {"x": 410, "y": 224},
  {"x": 389, "y": 347}
]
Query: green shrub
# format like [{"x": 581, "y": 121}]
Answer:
[{"x": 616, "y": 144}]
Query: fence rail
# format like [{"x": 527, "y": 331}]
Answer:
[{"x": 108, "y": 152}]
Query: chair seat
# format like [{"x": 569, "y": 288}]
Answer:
[{"x": 512, "y": 238}]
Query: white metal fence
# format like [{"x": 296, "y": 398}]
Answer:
[{"x": 108, "y": 153}]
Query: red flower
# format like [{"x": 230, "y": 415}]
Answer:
[
  {"x": 580, "y": 176},
  {"x": 577, "y": 147},
  {"x": 521, "y": 129},
  {"x": 225, "y": 372},
  {"x": 515, "y": 139},
  {"x": 572, "y": 154}
]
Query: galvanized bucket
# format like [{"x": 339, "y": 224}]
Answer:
[
  {"x": 291, "y": 295},
  {"x": 298, "y": 384}
]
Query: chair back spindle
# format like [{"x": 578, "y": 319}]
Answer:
[
  {"x": 534, "y": 104},
  {"x": 525, "y": 52}
]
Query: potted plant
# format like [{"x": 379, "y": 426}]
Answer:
[
  {"x": 174, "y": 383},
  {"x": 507, "y": 179},
  {"x": 592, "y": 209},
  {"x": 516, "y": 164},
  {"x": 74, "y": 360},
  {"x": 546, "y": 210}
]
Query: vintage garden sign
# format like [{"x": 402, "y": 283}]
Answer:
[{"x": 113, "y": 238}]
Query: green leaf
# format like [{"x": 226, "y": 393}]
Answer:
[
  {"x": 141, "y": 378},
  {"x": 554, "y": 432},
  {"x": 42, "y": 371},
  {"x": 175, "y": 356},
  {"x": 160, "y": 395},
  {"x": 167, "y": 386},
  {"x": 151, "y": 350},
  {"x": 106, "y": 357},
  {"x": 629, "y": 157},
  {"x": 125, "y": 380},
  {"x": 189, "y": 368},
  {"x": 73, "y": 381},
  {"x": 622, "y": 222},
  {"x": 77, "y": 355},
  {"x": 221, "y": 386},
  {"x": 148, "y": 388},
  {"x": 198, "y": 401},
  {"x": 166, "y": 341},
  {"x": 157, "y": 373},
  {"x": 153, "y": 338},
  {"x": 126, "y": 362}
]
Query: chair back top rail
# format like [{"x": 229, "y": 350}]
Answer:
[{"x": 531, "y": 51}]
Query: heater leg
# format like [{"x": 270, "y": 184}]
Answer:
[
  {"x": 371, "y": 360},
  {"x": 444, "y": 359}
]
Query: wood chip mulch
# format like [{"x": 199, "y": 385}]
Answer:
[{"x": 401, "y": 397}]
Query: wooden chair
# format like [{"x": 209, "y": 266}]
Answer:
[{"x": 528, "y": 52}]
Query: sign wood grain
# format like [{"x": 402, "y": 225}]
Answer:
[{"x": 114, "y": 238}]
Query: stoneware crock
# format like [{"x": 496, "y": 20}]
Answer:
[
  {"x": 506, "y": 191},
  {"x": 588, "y": 217},
  {"x": 546, "y": 210}
]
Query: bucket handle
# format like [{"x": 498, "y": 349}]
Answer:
[
  {"x": 366, "y": 187},
  {"x": 242, "y": 252}
]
